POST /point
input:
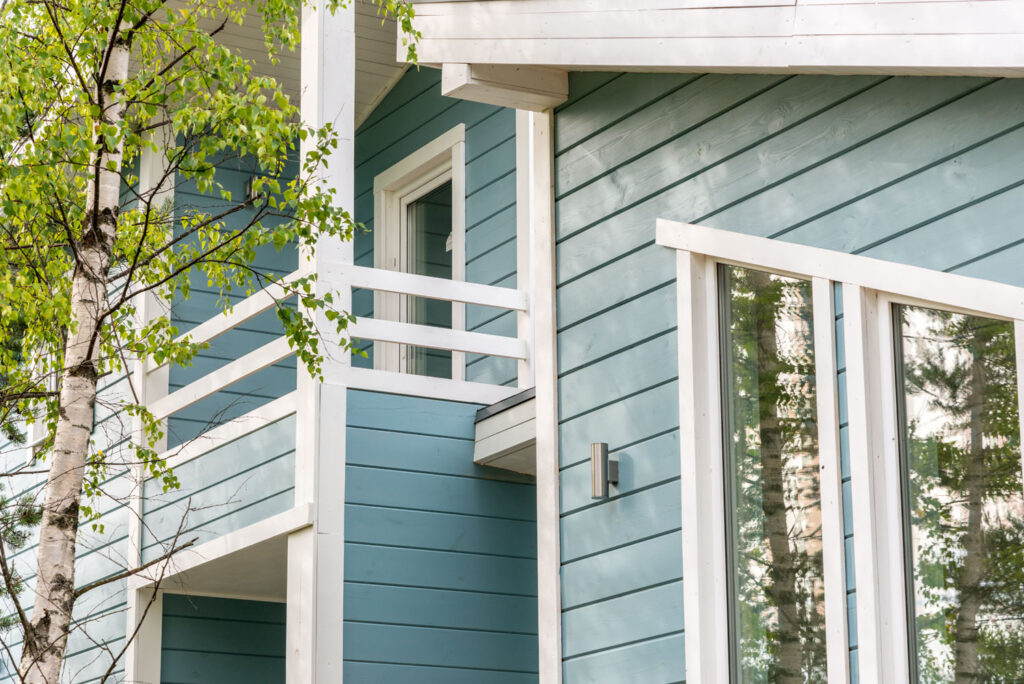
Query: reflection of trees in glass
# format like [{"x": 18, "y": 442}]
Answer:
[
  {"x": 965, "y": 492},
  {"x": 771, "y": 440}
]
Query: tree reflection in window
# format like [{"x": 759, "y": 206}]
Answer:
[
  {"x": 962, "y": 485},
  {"x": 777, "y": 584}
]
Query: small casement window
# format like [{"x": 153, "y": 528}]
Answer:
[
  {"x": 795, "y": 362},
  {"x": 419, "y": 228}
]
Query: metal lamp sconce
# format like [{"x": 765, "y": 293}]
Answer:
[{"x": 603, "y": 470}]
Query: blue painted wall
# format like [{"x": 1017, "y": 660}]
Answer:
[
  {"x": 440, "y": 554},
  {"x": 217, "y": 640},
  {"x": 225, "y": 489},
  {"x": 409, "y": 117},
  {"x": 99, "y": 613},
  {"x": 917, "y": 170},
  {"x": 261, "y": 387}
]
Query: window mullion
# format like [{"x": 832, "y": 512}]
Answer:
[
  {"x": 826, "y": 391},
  {"x": 875, "y": 484}
]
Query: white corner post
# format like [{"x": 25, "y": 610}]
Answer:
[
  {"x": 538, "y": 130},
  {"x": 316, "y": 554},
  {"x": 142, "y": 657}
]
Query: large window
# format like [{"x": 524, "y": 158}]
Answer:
[
  {"x": 773, "y": 502},
  {"x": 852, "y": 490},
  {"x": 963, "y": 499}
]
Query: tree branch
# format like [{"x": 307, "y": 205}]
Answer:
[{"x": 130, "y": 573}]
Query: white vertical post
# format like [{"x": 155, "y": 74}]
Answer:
[
  {"x": 458, "y": 249},
  {"x": 830, "y": 481},
  {"x": 316, "y": 555},
  {"x": 701, "y": 466},
  {"x": 524, "y": 245},
  {"x": 540, "y": 166},
  {"x": 142, "y": 657},
  {"x": 875, "y": 484}
]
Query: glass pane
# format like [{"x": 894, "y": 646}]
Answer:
[
  {"x": 962, "y": 481},
  {"x": 429, "y": 253},
  {"x": 773, "y": 497}
]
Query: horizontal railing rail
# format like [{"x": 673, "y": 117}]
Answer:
[
  {"x": 436, "y": 288},
  {"x": 370, "y": 329}
]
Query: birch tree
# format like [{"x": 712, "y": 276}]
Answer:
[{"x": 87, "y": 87}]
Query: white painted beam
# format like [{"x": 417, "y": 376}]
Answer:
[
  {"x": 516, "y": 87},
  {"x": 938, "y": 37},
  {"x": 914, "y": 284},
  {"x": 314, "y": 636}
]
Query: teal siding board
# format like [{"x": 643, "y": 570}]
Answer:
[
  {"x": 440, "y": 554},
  {"x": 223, "y": 490},
  {"x": 261, "y": 387},
  {"x": 910, "y": 169},
  {"x": 213, "y": 640},
  {"x": 410, "y": 116}
]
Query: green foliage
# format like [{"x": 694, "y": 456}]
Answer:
[{"x": 200, "y": 106}]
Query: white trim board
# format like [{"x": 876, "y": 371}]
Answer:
[
  {"x": 938, "y": 37},
  {"x": 916, "y": 285},
  {"x": 535, "y": 143}
]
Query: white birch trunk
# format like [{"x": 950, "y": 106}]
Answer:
[{"x": 43, "y": 652}]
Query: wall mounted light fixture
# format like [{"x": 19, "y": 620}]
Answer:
[{"x": 603, "y": 470}]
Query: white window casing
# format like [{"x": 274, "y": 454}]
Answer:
[
  {"x": 870, "y": 288},
  {"x": 438, "y": 162}
]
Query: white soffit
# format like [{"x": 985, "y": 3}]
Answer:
[
  {"x": 378, "y": 68},
  {"x": 929, "y": 37}
]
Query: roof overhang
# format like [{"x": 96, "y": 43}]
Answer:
[{"x": 944, "y": 37}]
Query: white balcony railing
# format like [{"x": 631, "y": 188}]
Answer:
[{"x": 370, "y": 329}]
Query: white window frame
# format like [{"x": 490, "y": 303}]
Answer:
[
  {"x": 438, "y": 162},
  {"x": 870, "y": 287}
]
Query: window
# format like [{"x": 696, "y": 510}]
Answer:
[
  {"x": 963, "y": 501},
  {"x": 419, "y": 228},
  {"x": 773, "y": 501},
  {"x": 931, "y": 427}
]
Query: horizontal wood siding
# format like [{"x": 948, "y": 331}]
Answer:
[
  {"x": 259, "y": 388},
  {"x": 911, "y": 169},
  {"x": 214, "y": 640},
  {"x": 102, "y": 547},
  {"x": 410, "y": 116},
  {"x": 440, "y": 554},
  {"x": 223, "y": 490}
]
